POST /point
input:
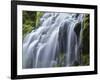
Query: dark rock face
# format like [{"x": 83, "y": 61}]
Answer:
[
  {"x": 63, "y": 35},
  {"x": 77, "y": 29},
  {"x": 77, "y": 15},
  {"x": 62, "y": 39},
  {"x": 62, "y": 42}
]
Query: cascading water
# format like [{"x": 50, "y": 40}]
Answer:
[{"x": 57, "y": 34}]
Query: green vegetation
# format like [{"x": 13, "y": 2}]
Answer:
[
  {"x": 85, "y": 40},
  {"x": 31, "y": 20},
  {"x": 85, "y": 59},
  {"x": 38, "y": 16}
]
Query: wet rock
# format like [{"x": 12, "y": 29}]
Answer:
[
  {"x": 77, "y": 29},
  {"x": 63, "y": 37}
]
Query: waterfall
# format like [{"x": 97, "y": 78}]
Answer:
[{"x": 58, "y": 34}]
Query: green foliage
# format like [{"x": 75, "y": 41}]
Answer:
[
  {"x": 28, "y": 21},
  {"x": 31, "y": 20},
  {"x": 85, "y": 40},
  {"x": 39, "y": 15},
  {"x": 86, "y": 24}
]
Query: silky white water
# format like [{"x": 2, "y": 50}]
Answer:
[{"x": 57, "y": 34}]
